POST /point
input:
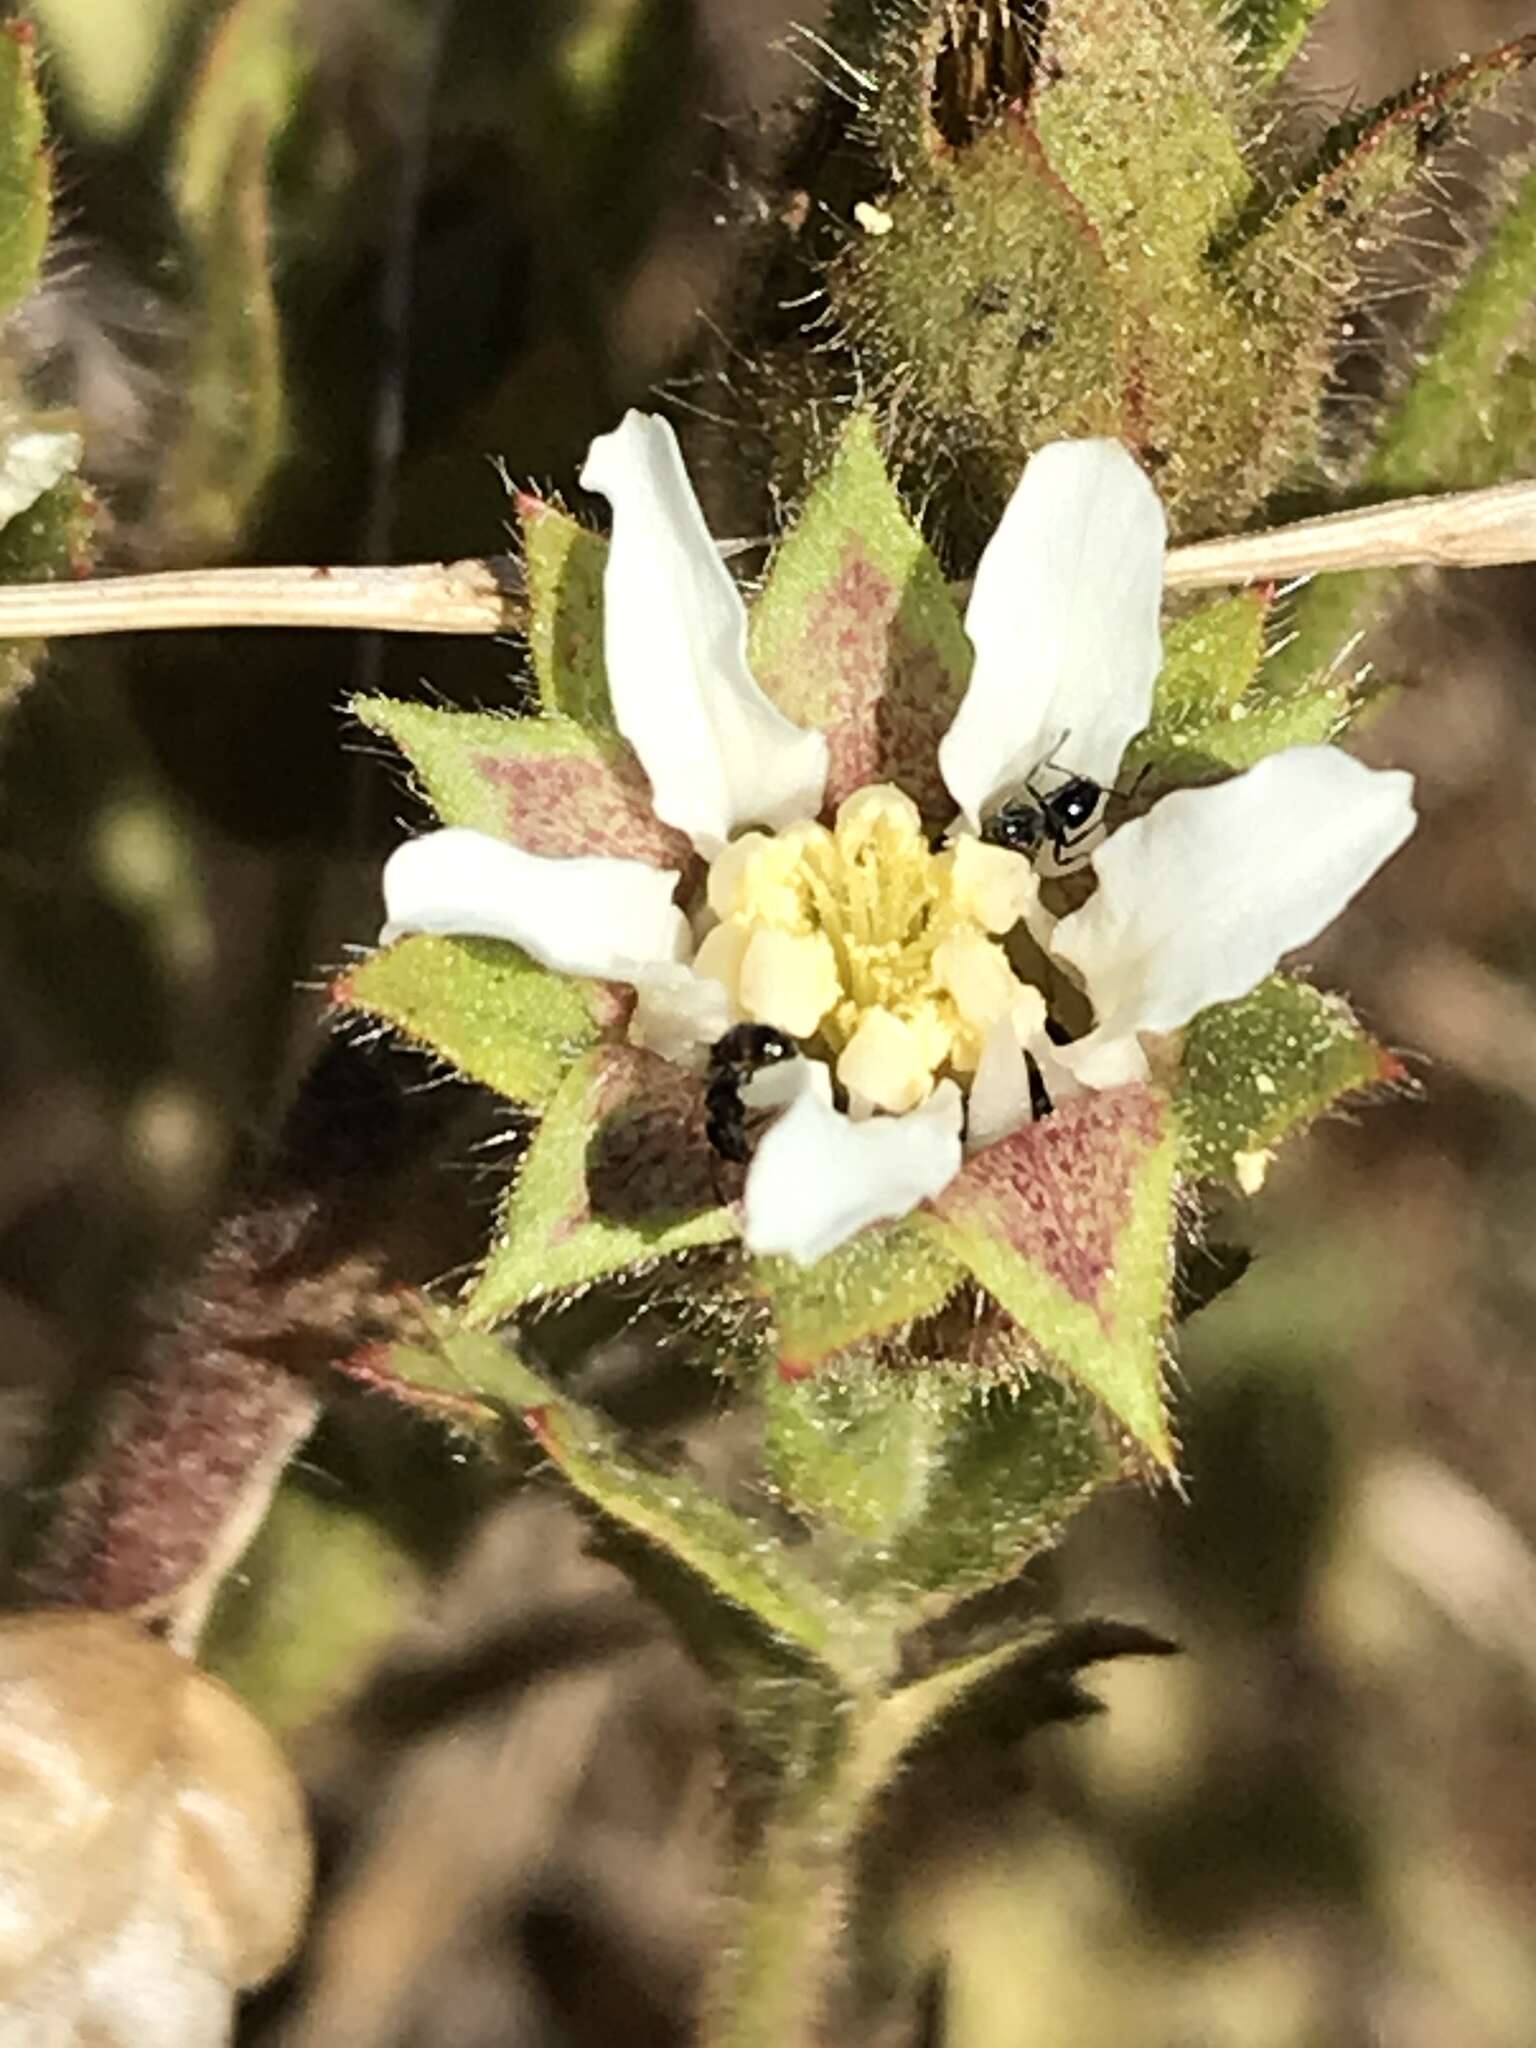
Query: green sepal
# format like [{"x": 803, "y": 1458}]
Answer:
[
  {"x": 855, "y": 1446},
  {"x": 25, "y": 174},
  {"x": 1013, "y": 1465},
  {"x": 1069, "y": 1225},
  {"x": 619, "y": 1175},
  {"x": 736, "y": 1558},
  {"x": 856, "y": 633},
  {"x": 486, "y": 1008},
  {"x": 563, "y": 563},
  {"x": 1256, "y": 1070},
  {"x": 875, "y": 1284},
  {"x": 544, "y": 784}
]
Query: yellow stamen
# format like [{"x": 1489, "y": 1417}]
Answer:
[{"x": 871, "y": 944}]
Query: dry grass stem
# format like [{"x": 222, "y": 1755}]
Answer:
[{"x": 484, "y": 595}]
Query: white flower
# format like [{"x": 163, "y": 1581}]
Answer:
[{"x": 883, "y": 956}]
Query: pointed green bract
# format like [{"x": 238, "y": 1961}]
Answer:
[
  {"x": 1256, "y": 1070},
  {"x": 25, "y": 181},
  {"x": 876, "y": 1283},
  {"x": 563, "y": 563},
  {"x": 856, "y": 632},
  {"x": 485, "y": 1008},
  {"x": 1069, "y": 1224},
  {"x": 1160, "y": 81},
  {"x": 1211, "y": 658},
  {"x": 543, "y": 784},
  {"x": 620, "y": 1174},
  {"x": 989, "y": 298}
]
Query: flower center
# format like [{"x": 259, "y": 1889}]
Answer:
[{"x": 870, "y": 948}]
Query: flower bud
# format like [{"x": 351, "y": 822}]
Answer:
[{"x": 154, "y": 1858}]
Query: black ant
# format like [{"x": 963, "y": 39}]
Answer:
[
  {"x": 1060, "y": 818},
  {"x": 744, "y": 1051}
]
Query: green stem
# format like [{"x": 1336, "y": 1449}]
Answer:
[{"x": 775, "y": 1974}]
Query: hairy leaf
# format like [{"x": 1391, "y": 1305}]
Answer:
[
  {"x": 545, "y": 784},
  {"x": 856, "y": 632},
  {"x": 563, "y": 563},
  {"x": 486, "y": 1008},
  {"x": 1256, "y": 1070},
  {"x": 875, "y": 1284},
  {"x": 735, "y": 1558},
  {"x": 1069, "y": 1225},
  {"x": 619, "y": 1176},
  {"x": 25, "y": 178}
]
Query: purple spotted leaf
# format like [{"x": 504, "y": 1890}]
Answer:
[
  {"x": 620, "y": 1174},
  {"x": 1069, "y": 1225},
  {"x": 856, "y": 632},
  {"x": 545, "y": 784}
]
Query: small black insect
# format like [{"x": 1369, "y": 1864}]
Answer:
[
  {"x": 744, "y": 1051},
  {"x": 1059, "y": 818}
]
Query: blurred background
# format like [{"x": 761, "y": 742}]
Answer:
[{"x": 321, "y": 267}]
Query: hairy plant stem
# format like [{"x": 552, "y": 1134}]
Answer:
[{"x": 777, "y": 1967}]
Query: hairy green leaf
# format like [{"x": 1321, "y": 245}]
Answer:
[
  {"x": 856, "y": 632},
  {"x": 1256, "y": 1070},
  {"x": 1011, "y": 1467},
  {"x": 563, "y": 562},
  {"x": 875, "y": 1284},
  {"x": 619, "y": 1175},
  {"x": 486, "y": 1008},
  {"x": 25, "y": 178},
  {"x": 739, "y": 1560}
]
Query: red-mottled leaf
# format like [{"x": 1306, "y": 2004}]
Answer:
[
  {"x": 620, "y": 1174},
  {"x": 856, "y": 631},
  {"x": 545, "y": 784},
  {"x": 1069, "y": 1224}
]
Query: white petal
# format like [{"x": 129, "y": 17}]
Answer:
[
  {"x": 31, "y": 463},
  {"x": 719, "y": 754},
  {"x": 818, "y": 1178},
  {"x": 680, "y": 1014},
  {"x": 1064, "y": 620},
  {"x": 1198, "y": 900},
  {"x": 999, "y": 1102},
  {"x": 612, "y": 919}
]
